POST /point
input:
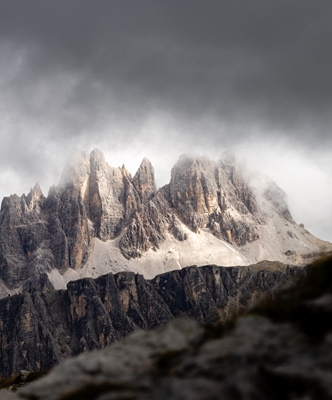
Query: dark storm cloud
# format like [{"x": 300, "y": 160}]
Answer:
[{"x": 236, "y": 61}]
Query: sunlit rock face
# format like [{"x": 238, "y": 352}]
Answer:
[
  {"x": 214, "y": 195},
  {"x": 223, "y": 200},
  {"x": 38, "y": 234},
  {"x": 100, "y": 219},
  {"x": 144, "y": 181}
]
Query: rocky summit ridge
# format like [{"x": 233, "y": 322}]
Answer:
[{"x": 100, "y": 219}]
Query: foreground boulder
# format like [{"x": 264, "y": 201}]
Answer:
[{"x": 281, "y": 350}]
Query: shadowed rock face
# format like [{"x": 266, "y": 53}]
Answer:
[
  {"x": 38, "y": 330},
  {"x": 280, "y": 350},
  {"x": 39, "y": 234}
]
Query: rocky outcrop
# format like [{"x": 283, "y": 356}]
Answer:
[
  {"x": 214, "y": 195},
  {"x": 144, "y": 181},
  {"x": 148, "y": 227},
  {"x": 222, "y": 199},
  {"x": 201, "y": 195},
  {"x": 24, "y": 247},
  {"x": 39, "y": 329},
  {"x": 209, "y": 208},
  {"x": 38, "y": 234},
  {"x": 281, "y": 350}
]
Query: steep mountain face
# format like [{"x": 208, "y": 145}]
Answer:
[
  {"x": 201, "y": 194},
  {"x": 39, "y": 234},
  {"x": 99, "y": 219},
  {"x": 280, "y": 350},
  {"x": 39, "y": 329}
]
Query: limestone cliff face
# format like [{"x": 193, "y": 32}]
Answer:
[
  {"x": 202, "y": 194},
  {"x": 38, "y": 234},
  {"x": 214, "y": 195},
  {"x": 112, "y": 197},
  {"x": 39, "y": 329},
  {"x": 148, "y": 227},
  {"x": 93, "y": 200},
  {"x": 280, "y": 350},
  {"x": 24, "y": 247},
  {"x": 223, "y": 200},
  {"x": 144, "y": 181}
]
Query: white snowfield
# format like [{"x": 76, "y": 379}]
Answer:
[{"x": 199, "y": 249}]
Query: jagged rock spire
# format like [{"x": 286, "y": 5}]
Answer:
[
  {"x": 144, "y": 181},
  {"x": 96, "y": 202},
  {"x": 76, "y": 171}
]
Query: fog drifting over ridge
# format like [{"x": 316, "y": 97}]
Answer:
[
  {"x": 299, "y": 175},
  {"x": 159, "y": 79}
]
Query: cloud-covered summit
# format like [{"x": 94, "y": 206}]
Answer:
[{"x": 156, "y": 78}]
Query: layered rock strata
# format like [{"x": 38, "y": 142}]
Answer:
[
  {"x": 279, "y": 351},
  {"x": 38, "y": 234},
  {"x": 212, "y": 209},
  {"x": 39, "y": 329}
]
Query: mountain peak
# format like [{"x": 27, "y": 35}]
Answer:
[
  {"x": 144, "y": 180},
  {"x": 76, "y": 170},
  {"x": 100, "y": 219},
  {"x": 36, "y": 190},
  {"x": 34, "y": 196},
  {"x": 97, "y": 156},
  {"x": 228, "y": 157}
]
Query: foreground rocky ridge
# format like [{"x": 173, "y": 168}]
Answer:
[
  {"x": 99, "y": 219},
  {"x": 281, "y": 350},
  {"x": 38, "y": 330}
]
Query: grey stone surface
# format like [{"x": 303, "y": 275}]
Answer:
[
  {"x": 144, "y": 181},
  {"x": 40, "y": 329},
  {"x": 280, "y": 350},
  {"x": 38, "y": 234},
  {"x": 93, "y": 200}
]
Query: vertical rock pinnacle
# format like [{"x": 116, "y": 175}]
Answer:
[{"x": 144, "y": 181}]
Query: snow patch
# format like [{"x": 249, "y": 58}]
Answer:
[
  {"x": 198, "y": 249},
  {"x": 5, "y": 291}
]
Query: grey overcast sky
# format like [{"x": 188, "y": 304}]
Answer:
[{"x": 160, "y": 78}]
